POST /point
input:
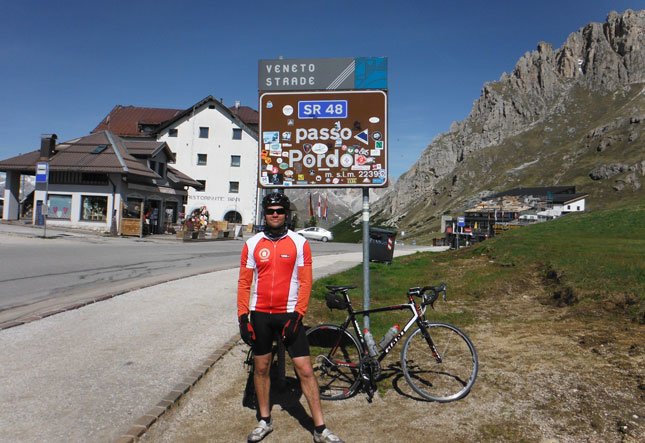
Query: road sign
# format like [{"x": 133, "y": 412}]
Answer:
[
  {"x": 345, "y": 145},
  {"x": 461, "y": 221},
  {"x": 322, "y": 109},
  {"x": 42, "y": 172},
  {"x": 310, "y": 74}
]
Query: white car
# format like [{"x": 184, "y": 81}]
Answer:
[{"x": 316, "y": 233}]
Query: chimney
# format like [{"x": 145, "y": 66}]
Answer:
[
  {"x": 237, "y": 104},
  {"x": 47, "y": 145}
]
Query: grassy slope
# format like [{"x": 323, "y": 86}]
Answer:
[{"x": 593, "y": 262}]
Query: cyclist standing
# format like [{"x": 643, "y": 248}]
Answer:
[{"x": 273, "y": 293}]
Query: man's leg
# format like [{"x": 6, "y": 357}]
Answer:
[
  {"x": 309, "y": 386},
  {"x": 262, "y": 381}
]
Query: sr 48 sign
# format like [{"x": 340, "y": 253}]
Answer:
[{"x": 322, "y": 109}]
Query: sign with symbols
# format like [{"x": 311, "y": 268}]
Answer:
[
  {"x": 323, "y": 139},
  {"x": 42, "y": 172}
]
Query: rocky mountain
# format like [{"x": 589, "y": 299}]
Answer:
[
  {"x": 571, "y": 116},
  {"x": 341, "y": 203}
]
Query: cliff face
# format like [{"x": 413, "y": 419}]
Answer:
[{"x": 599, "y": 65}]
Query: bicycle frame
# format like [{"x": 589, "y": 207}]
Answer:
[{"x": 418, "y": 316}]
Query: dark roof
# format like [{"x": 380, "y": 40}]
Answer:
[
  {"x": 248, "y": 115},
  {"x": 567, "y": 198},
  {"x": 147, "y": 148},
  {"x": 182, "y": 179},
  {"x": 81, "y": 155},
  {"x": 127, "y": 121},
  {"x": 536, "y": 191},
  {"x": 210, "y": 100}
]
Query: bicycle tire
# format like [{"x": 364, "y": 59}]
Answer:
[
  {"x": 445, "y": 381},
  {"x": 335, "y": 355}
]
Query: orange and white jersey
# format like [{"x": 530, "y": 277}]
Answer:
[{"x": 275, "y": 275}]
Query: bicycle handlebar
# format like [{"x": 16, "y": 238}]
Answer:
[{"x": 429, "y": 299}]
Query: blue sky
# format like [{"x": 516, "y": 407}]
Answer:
[{"x": 65, "y": 64}]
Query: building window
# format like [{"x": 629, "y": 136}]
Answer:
[
  {"x": 235, "y": 161},
  {"x": 233, "y": 187},
  {"x": 133, "y": 208},
  {"x": 237, "y": 134},
  {"x": 568, "y": 207},
  {"x": 59, "y": 207},
  {"x": 201, "y": 159},
  {"x": 94, "y": 207},
  {"x": 577, "y": 208},
  {"x": 173, "y": 132},
  {"x": 203, "y": 132},
  {"x": 203, "y": 182}
]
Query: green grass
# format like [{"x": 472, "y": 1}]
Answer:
[
  {"x": 599, "y": 252},
  {"x": 599, "y": 256}
]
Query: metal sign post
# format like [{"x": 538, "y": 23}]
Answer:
[
  {"x": 366, "y": 256},
  {"x": 42, "y": 176}
]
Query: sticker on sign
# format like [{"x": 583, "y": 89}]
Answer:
[{"x": 322, "y": 109}]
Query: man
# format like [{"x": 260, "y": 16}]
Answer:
[{"x": 278, "y": 263}]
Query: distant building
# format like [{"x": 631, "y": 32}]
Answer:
[
  {"x": 513, "y": 208},
  {"x": 216, "y": 145}
]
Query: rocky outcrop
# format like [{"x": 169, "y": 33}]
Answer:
[{"x": 601, "y": 56}]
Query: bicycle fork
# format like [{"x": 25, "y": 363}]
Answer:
[{"x": 433, "y": 348}]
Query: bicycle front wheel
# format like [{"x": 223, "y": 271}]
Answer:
[
  {"x": 335, "y": 358},
  {"x": 446, "y": 375}
]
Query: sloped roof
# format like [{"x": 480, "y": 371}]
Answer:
[
  {"x": 101, "y": 152},
  {"x": 182, "y": 179},
  {"x": 218, "y": 104},
  {"x": 125, "y": 121},
  {"x": 568, "y": 198},
  {"x": 248, "y": 115},
  {"x": 147, "y": 148},
  {"x": 535, "y": 191}
]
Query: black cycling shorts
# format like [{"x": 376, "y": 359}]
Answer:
[{"x": 268, "y": 327}]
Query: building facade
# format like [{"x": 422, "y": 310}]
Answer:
[
  {"x": 101, "y": 182},
  {"x": 216, "y": 145}
]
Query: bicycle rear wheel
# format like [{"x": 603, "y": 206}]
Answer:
[
  {"x": 446, "y": 380},
  {"x": 335, "y": 356}
]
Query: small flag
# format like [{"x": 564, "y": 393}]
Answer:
[
  {"x": 311, "y": 206},
  {"x": 325, "y": 208},
  {"x": 319, "y": 208}
]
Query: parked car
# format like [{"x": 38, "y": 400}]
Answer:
[{"x": 316, "y": 233}]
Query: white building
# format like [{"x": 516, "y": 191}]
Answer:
[{"x": 213, "y": 144}]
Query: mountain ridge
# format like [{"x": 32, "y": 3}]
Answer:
[{"x": 600, "y": 65}]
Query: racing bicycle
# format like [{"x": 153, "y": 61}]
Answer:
[{"x": 438, "y": 360}]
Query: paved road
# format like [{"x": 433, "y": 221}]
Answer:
[{"x": 43, "y": 275}]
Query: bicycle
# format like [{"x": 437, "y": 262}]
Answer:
[{"x": 438, "y": 360}]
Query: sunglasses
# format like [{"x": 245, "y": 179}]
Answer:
[{"x": 270, "y": 211}]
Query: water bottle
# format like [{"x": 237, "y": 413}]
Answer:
[
  {"x": 389, "y": 335},
  {"x": 371, "y": 345}
]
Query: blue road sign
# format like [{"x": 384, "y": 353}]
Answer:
[
  {"x": 42, "y": 172},
  {"x": 322, "y": 109}
]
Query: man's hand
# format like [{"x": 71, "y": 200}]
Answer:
[
  {"x": 246, "y": 330},
  {"x": 291, "y": 328}
]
